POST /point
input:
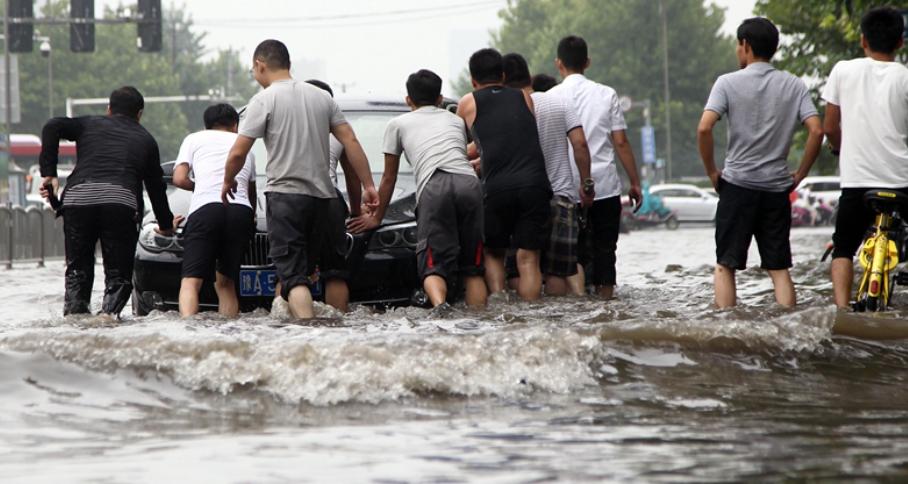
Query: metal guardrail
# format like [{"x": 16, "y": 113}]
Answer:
[{"x": 32, "y": 234}]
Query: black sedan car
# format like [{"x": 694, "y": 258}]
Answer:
[{"x": 382, "y": 263}]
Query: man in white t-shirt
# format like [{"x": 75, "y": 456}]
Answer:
[
  {"x": 867, "y": 124},
  {"x": 216, "y": 234},
  {"x": 606, "y": 134}
]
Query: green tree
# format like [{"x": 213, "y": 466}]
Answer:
[
  {"x": 116, "y": 62},
  {"x": 625, "y": 43}
]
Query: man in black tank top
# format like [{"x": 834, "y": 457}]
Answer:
[{"x": 515, "y": 183}]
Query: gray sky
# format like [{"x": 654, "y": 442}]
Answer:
[{"x": 370, "y": 46}]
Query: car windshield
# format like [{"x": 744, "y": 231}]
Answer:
[{"x": 369, "y": 127}]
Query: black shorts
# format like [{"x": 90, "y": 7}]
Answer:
[
  {"x": 853, "y": 220},
  {"x": 559, "y": 259},
  {"x": 449, "y": 226},
  {"x": 307, "y": 234},
  {"x": 216, "y": 238},
  {"x": 744, "y": 214},
  {"x": 518, "y": 217}
]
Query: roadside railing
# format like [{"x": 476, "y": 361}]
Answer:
[{"x": 32, "y": 234}]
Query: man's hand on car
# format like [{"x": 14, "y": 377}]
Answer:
[
  {"x": 363, "y": 223},
  {"x": 177, "y": 220},
  {"x": 370, "y": 200},
  {"x": 53, "y": 182},
  {"x": 228, "y": 191}
]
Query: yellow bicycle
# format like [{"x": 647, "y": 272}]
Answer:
[{"x": 881, "y": 252}]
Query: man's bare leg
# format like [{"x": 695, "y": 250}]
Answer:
[
  {"x": 577, "y": 282},
  {"x": 228, "y": 304},
  {"x": 300, "y": 302},
  {"x": 436, "y": 288},
  {"x": 605, "y": 292},
  {"x": 726, "y": 292},
  {"x": 189, "y": 296},
  {"x": 556, "y": 286},
  {"x": 530, "y": 288},
  {"x": 842, "y": 281},
  {"x": 784, "y": 288},
  {"x": 495, "y": 272},
  {"x": 337, "y": 294},
  {"x": 477, "y": 295}
]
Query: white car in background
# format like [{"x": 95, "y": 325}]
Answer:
[
  {"x": 826, "y": 188},
  {"x": 689, "y": 202}
]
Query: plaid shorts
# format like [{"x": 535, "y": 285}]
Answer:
[{"x": 559, "y": 258}]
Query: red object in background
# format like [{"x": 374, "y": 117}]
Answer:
[{"x": 27, "y": 147}]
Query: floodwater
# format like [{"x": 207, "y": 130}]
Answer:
[{"x": 655, "y": 386}]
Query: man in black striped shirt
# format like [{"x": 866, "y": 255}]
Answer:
[{"x": 103, "y": 197}]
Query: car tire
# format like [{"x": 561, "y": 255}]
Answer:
[{"x": 139, "y": 308}]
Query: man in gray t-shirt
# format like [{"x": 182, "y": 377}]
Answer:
[
  {"x": 295, "y": 120},
  {"x": 764, "y": 107}
]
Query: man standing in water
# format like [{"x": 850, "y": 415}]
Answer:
[
  {"x": 516, "y": 186},
  {"x": 295, "y": 119},
  {"x": 764, "y": 106},
  {"x": 558, "y": 125},
  {"x": 605, "y": 130},
  {"x": 867, "y": 119},
  {"x": 103, "y": 197}
]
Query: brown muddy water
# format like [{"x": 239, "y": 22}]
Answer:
[{"x": 655, "y": 386}]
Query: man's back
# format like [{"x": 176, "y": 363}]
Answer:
[
  {"x": 599, "y": 111},
  {"x": 873, "y": 97},
  {"x": 554, "y": 118},
  {"x": 764, "y": 106},
  {"x": 295, "y": 119},
  {"x": 505, "y": 131},
  {"x": 205, "y": 152},
  {"x": 112, "y": 149},
  {"x": 433, "y": 139}
]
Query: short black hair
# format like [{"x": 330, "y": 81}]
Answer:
[
  {"x": 321, "y": 85},
  {"x": 127, "y": 101},
  {"x": 543, "y": 82},
  {"x": 883, "y": 28},
  {"x": 573, "y": 52},
  {"x": 424, "y": 87},
  {"x": 762, "y": 36},
  {"x": 486, "y": 66},
  {"x": 273, "y": 53},
  {"x": 222, "y": 115},
  {"x": 516, "y": 71}
]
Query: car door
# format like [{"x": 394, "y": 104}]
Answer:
[{"x": 674, "y": 200}]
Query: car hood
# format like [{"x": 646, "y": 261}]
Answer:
[{"x": 402, "y": 208}]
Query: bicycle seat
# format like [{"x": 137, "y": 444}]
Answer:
[{"x": 886, "y": 201}]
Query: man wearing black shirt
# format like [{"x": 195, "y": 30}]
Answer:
[
  {"x": 103, "y": 196},
  {"x": 515, "y": 182}
]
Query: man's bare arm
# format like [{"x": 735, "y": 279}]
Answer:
[
  {"x": 832, "y": 126},
  {"x": 706, "y": 145},
  {"x": 582, "y": 159},
  {"x": 626, "y": 156},
  {"x": 354, "y": 189},
  {"x": 364, "y": 223},
  {"x": 235, "y": 162},
  {"x": 466, "y": 109},
  {"x": 811, "y": 149},
  {"x": 181, "y": 177},
  {"x": 358, "y": 161}
]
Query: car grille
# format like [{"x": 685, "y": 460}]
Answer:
[{"x": 257, "y": 253}]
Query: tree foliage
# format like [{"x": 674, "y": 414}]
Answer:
[
  {"x": 176, "y": 70},
  {"x": 625, "y": 44}
]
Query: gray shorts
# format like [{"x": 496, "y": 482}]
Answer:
[
  {"x": 449, "y": 225},
  {"x": 306, "y": 233}
]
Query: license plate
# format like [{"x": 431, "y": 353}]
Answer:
[{"x": 255, "y": 283}]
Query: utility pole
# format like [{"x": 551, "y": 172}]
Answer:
[
  {"x": 8, "y": 114},
  {"x": 668, "y": 93}
]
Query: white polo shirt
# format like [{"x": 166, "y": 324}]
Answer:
[
  {"x": 600, "y": 113},
  {"x": 206, "y": 154}
]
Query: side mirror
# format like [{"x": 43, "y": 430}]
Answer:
[{"x": 167, "y": 168}]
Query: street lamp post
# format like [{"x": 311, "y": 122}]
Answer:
[{"x": 47, "y": 51}]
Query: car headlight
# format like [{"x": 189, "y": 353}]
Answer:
[
  {"x": 155, "y": 242},
  {"x": 394, "y": 236}
]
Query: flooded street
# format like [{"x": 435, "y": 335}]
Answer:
[{"x": 655, "y": 386}]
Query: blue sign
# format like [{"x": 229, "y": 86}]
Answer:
[{"x": 648, "y": 139}]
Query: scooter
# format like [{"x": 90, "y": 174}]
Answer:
[{"x": 633, "y": 220}]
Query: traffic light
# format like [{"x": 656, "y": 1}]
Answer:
[
  {"x": 149, "y": 25},
  {"x": 20, "y": 34},
  {"x": 82, "y": 36}
]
